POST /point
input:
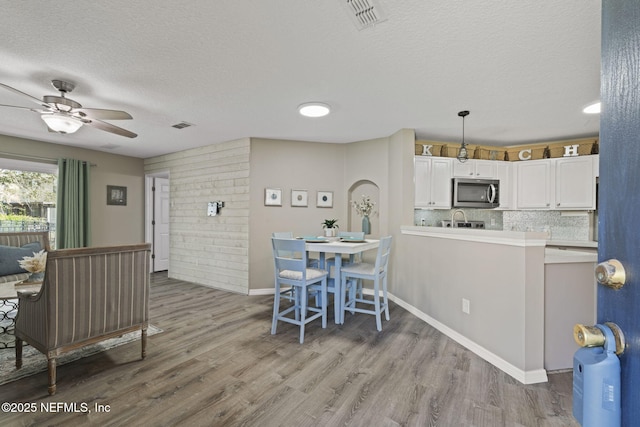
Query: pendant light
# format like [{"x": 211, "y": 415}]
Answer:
[{"x": 463, "y": 155}]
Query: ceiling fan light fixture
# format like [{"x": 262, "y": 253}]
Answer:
[
  {"x": 62, "y": 123},
  {"x": 64, "y": 115},
  {"x": 314, "y": 109},
  {"x": 593, "y": 108},
  {"x": 463, "y": 154}
]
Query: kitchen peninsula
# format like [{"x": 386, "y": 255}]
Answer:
[{"x": 486, "y": 290}]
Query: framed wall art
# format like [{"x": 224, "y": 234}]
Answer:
[
  {"x": 273, "y": 197},
  {"x": 324, "y": 199},
  {"x": 116, "y": 195},
  {"x": 299, "y": 198}
]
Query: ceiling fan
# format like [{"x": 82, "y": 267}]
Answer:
[{"x": 64, "y": 115}]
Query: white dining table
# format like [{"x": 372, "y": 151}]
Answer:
[{"x": 339, "y": 248}]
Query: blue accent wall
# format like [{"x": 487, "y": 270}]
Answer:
[{"x": 619, "y": 207}]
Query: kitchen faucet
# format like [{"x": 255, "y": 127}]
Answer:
[{"x": 453, "y": 215}]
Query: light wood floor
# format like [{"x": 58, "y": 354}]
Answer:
[{"x": 216, "y": 364}]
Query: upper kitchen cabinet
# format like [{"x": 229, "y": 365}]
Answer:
[
  {"x": 534, "y": 184},
  {"x": 575, "y": 183},
  {"x": 504, "y": 173},
  {"x": 433, "y": 182},
  {"x": 566, "y": 183},
  {"x": 475, "y": 169}
]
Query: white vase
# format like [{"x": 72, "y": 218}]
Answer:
[{"x": 329, "y": 232}]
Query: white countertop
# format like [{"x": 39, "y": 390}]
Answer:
[
  {"x": 556, "y": 251},
  {"x": 509, "y": 238},
  {"x": 532, "y": 238}
]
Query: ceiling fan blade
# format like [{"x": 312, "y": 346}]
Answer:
[
  {"x": 110, "y": 128},
  {"x": 26, "y": 108},
  {"x": 100, "y": 114},
  {"x": 32, "y": 98}
]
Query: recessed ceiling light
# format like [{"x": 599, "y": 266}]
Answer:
[
  {"x": 592, "y": 108},
  {"x": 314, "y": 109}
]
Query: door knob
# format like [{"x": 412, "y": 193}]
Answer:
[
  {"x": 594, "y": 336},
  {"x": 611, "y": 273}
]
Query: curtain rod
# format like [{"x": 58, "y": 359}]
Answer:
[{"x": 40, "y": 159}]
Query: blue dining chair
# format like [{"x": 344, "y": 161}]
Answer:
[
  {"x": 359, "y": 235},
  {"x": 313, "y": 262},
  {"x": 331, "y": 262},
  {"x": 293, "y": 272},
  {"x": 354, "y": 234},
  {"x": 377, "y": 272}
]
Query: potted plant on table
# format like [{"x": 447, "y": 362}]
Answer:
[{"x": 330, "y": 226}]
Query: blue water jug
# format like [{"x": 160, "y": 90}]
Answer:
[{"x": 596, "y": 383}]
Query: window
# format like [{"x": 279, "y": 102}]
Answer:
[{"x": 28, "y": 196}]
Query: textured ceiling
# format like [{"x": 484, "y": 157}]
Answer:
[{"x": 239, "y": 68}]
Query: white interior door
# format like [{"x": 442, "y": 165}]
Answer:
[{"x": 161, "y": 224}]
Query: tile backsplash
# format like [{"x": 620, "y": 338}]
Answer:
[
  {"x": 562, "y": 225},
  {"x": 492, "y": 219}
]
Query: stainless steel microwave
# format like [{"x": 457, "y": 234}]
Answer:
[{"x": 476, "y": 193}]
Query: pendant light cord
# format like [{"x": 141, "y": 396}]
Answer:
[{"x": 463, "y": 130}]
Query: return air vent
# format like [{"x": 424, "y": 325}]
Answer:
[
  {"x": 365, "y": 13},
  {"x": 182, "y": 125}
]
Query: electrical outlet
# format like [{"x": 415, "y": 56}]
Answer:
[
  {"x": 493, "y": 221},
  {"x": 466, "y": 306}
]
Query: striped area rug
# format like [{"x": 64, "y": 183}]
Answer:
[{"x": 34, "y": 362}]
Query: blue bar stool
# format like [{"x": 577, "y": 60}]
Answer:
[
  {"x": 377, "y": 272},
  {"x": 293, "y": 272}
]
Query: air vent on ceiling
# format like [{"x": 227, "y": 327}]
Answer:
[
  {"x": 109, "y": 146},
  {"x": 182, "y": 125},
  {"x": 365, "y": 13}
]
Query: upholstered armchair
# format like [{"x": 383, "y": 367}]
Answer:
[{"x": 88, "y": 295}]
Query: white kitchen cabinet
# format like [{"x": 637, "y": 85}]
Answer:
[
  {"x": 534, "y": 184},
  {"x": 575, "y": 183},
  {"x": 570, "y": 297},
  {"x": 504, "y": 173},
  {"x": 566, "y": 183},
  {"x": 432, "y": 182},
  {"x": 475, "y": 169}
]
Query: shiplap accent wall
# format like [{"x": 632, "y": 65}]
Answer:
[{"x": 212, "y": 251}]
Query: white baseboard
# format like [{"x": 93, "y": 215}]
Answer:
[
  {"x": 263, "y": 291},
  {"x": 525, "y": 377}
]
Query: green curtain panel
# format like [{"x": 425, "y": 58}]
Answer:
[{"x": 72, "y": 226}]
